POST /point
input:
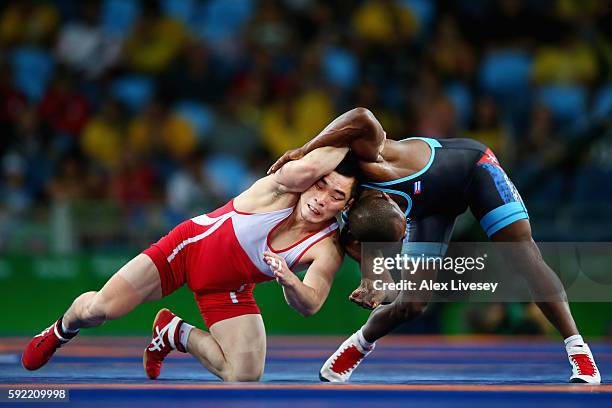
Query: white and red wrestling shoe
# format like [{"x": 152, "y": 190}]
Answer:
[
  {"x": 42, "y": 346},
  {"x": 340, "y": 366},
  {"x": 165, "y": 339},
  {"x": 584, "y": 369}
]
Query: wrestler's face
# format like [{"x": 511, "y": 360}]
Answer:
[{"x": 325, "y": 198}]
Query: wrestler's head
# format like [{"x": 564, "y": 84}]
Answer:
[
  {"x": 332, "y": 193},
  {"x": 375, "y": 217}
]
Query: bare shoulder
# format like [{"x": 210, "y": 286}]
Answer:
[
  {"x": 328, "y": 248},
  {"x": 265, "y": 194},
  {"x": 399, "y": 159}
]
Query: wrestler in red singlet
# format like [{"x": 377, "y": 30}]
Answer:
[
  {"x": 284, "y": 220},
  {"x": 219, "y": 256}
]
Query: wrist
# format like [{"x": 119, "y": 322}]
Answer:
[
  {"x": 292, "y": 283},
  {"x": 307, "y": 147}
]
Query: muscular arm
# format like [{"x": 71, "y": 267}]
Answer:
[
  {"x": 358, "y": 129},
  {"x": 307, "y": 296},
  {"x": 270, "y": 192},
  {"x": 365, "y": 295},
  {"x": 297, "y": 176}
]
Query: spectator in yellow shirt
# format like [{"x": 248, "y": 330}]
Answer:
[
  {"x": 103, "y": 137},
  {"x": 296, "y": 119},
  {"x": 384, "y": 22},
  {"x": 27, "y": 20},
  {"x": 154, "y": 42},
  {"x": 573, "y": 61},
  {"x": 157, "y": 129}
]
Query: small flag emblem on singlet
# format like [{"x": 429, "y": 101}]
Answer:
[{"x": 417, "y": 187}]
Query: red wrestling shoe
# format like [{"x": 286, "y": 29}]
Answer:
[
  {"x": 584, "y": 369},
  {"x": 341, "y": 364},
  {"x": 165, "y": 339},
  {"x": 42, "y": 347}
]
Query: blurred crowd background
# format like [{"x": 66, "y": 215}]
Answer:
[{"x": 121, "y": 118}]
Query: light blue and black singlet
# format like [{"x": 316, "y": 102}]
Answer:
[{"x": 461, "y": 173}]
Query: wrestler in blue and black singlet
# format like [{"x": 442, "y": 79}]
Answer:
[{"x": 461, "y": 173}]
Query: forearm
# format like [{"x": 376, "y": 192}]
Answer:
[
  {"x": 368, "y": 273},
  {"x": 357, "y": 129},
  {"x": 324, "y": 160},
  {"x": 381, "y": 274},
  {"x": 298, "y": 175},
  {"x": 302, "y": 298},
  {"x": 371, "y": 269}
]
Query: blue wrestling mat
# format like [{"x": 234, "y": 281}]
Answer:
[{"x": 406, "y": 371}]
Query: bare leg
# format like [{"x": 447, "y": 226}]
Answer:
[
  {"x": 135, "y": 283},
  {"x": 405, "y": 307},
  {"x": 541, "y": 277},
  {"x": 234, "y": 350},
  {"x": 386, "y": 318}
]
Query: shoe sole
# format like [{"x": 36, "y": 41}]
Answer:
[
  {"x": 581, "y": 381},
  {"x": 30, "y": 368},
  {"x": 144, "y": 354}
]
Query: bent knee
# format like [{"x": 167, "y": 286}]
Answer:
[
  {"x": 518, "y": 231},
  {"x": 242, "y": 375},
  {"x": 248, "y": 369}
]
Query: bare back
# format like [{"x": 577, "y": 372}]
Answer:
[{"x": 399, "y": 159}]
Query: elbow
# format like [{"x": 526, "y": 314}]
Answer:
[
  {"x": 362, "y": 112},
  {"x": 363, "y": 116},
  {"x": 367, "y": 147},
  {"x": 307, "y": 312},
  {"x": 310, "y": 311}
]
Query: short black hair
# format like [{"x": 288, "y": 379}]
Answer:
[
  {"x": 349, "y": 167},
  {"x": 374, "y": 219}
]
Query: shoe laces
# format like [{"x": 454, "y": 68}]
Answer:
[
  {"x": 43, "y": 335},
  {"x": 44, "y": 332},
  {"x": 584, "y": 364},
  {"x": 157, "y": 343},
  {"x": 347, "y": 355}
]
